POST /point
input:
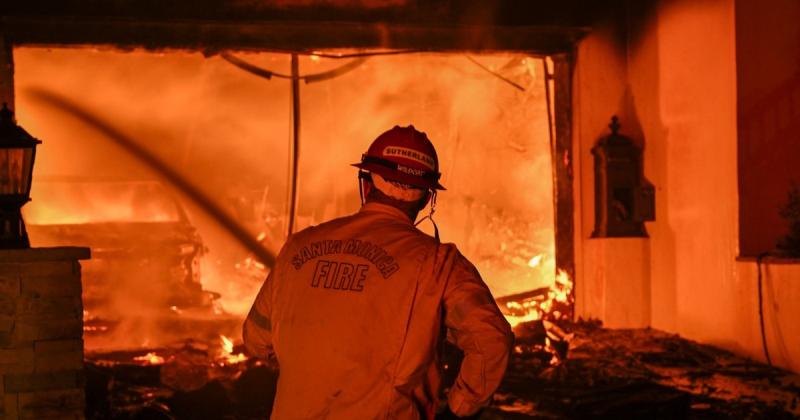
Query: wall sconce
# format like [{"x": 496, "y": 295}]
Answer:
[
  {"x": 623, "y": 199},
  {"x": 17, "y": 152}
]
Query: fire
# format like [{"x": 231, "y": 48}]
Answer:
[
  {"x": 226, "y": 354},
  {"x": 66, "y": 202},
  {"x": 530, "y": 314},
  {"x": 150, "y": 358},
  {"x": 534, "y": 316},
  {"x": 535, "y": 261},
  {"x": 508, "y": 236},
  {"x": 227, "y": 344},
  {"x": 558, "y": 297},
  {"x": 253, "y": 266}
]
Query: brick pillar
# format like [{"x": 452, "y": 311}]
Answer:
[{"x": 41, "y": 333}]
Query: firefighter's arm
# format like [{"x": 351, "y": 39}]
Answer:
[
  {"x": 481, "y": 331},
  {"x": 257, "y": 331}
]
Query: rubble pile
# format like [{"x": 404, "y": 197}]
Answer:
[
  {"x": 595, "y": 373},
  {"x": 643, "y": 373}
]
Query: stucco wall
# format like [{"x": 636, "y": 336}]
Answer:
[
  {"x": 618, "y": 289},
  {"x": 674, "y": 86}
]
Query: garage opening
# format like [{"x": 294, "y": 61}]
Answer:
[{"x": 163, "y": 270}]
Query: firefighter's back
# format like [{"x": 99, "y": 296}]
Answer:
[{"x": 342, "y": 297}]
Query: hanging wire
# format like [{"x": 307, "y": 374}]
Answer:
[
  {"x": 309, "y": 78},
  {"x": 496, "y": 74},
  {"x": 759, "y": 259},
  {"x": 360, "y": 54},
  {"x": 295, "y": 77}
]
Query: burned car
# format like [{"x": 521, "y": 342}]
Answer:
[{"x": 145, "y": 252}]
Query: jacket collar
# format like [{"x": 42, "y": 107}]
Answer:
[{"x": 394, "y": 212}]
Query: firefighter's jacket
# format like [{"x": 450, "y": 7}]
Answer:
[{"x": 353, "y": 311}]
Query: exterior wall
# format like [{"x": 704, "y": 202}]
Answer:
[
  {"x": 41, "y": 330},
  {"x": 675, "y": 88},
  {"x": 613, "y": 278},
  {"x": 688, "y": 113},
  {"x": 781, "y": 293}
]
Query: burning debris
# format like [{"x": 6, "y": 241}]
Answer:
[
  {"x": 144, "y": 275},
  {"x": 191, "y": 379},
  {"x": 535, "y": 317}
]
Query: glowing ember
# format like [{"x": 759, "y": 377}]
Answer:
[
  {"x": 535, "y": 261},
  {"x": 227, "y": 356},
  {"x": 235, "y": 358},
  {"x": 150, "y": 359},
  {"x": 533, "y": 309},
  {"x": 535, "y": 315},
  {"x": 95, "y": 328},
  {"x": 227, "y": 344},
  {"x": 530, "y": 315}
]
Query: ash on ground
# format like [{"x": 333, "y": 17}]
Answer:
[{"x": 596, "y": 373}]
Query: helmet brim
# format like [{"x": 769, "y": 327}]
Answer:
[{"x": 398, "y": 176}]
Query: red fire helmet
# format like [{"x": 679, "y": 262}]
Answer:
[{"x": 405, "y": 155}]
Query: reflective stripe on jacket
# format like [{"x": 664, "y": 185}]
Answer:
[{"x": 353, "y": 311}]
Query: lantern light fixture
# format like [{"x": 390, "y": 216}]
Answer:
[{"x": 17, "y": 153}]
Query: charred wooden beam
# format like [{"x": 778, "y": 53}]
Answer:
[
  {"x": 562, "y": 166},
  {"x": 497, "y": 12}
]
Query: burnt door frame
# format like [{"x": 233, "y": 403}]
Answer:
[{"x": 563, "y": 198}]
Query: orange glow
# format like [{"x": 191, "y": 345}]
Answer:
[
  {"x": 227, "y": 344},
  {"x": 150, "y": 359},
  {"x": 226, "y": 355},
  {"x": 535, "y": 261},
  {"x": 532, "y": 310},
  {"x": 75, "y": 202},
  {"x": 225, "y": 131}
]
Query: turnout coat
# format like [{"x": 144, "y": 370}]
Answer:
[{"x": 353, "y": 310}]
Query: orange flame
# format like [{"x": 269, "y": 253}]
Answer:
[
  {"x": 533, "y": 310},
  {"x": 227, "y": 344},
  {"x": 227, "y": 356},
  {"x": 150, "y": 359}
]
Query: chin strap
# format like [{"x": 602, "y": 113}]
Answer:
[
  {"x": 362, "y": 176},
  {"x": 430, "y": 216}
]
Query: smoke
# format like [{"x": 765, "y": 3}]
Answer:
[{"x": 227, "y": 132}]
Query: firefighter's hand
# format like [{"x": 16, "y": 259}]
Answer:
[{"x": 449, "y": 415}]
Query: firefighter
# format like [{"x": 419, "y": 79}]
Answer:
[{"x": 354, "y": 309}]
